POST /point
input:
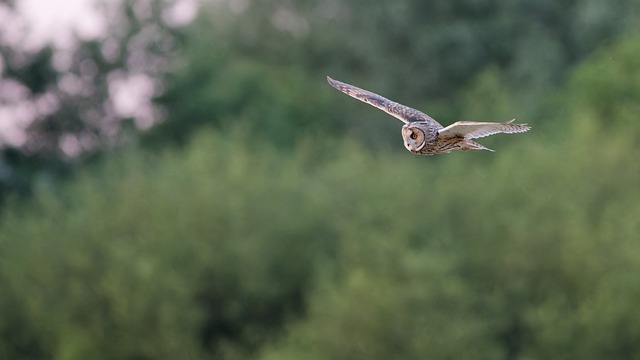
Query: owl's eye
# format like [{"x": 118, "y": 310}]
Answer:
[{"x": 414, "y": 136}]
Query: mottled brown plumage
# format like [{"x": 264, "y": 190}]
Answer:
[{"x": 422, "y": 134}]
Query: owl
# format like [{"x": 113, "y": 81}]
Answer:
[{"x": 422, "y": 134}]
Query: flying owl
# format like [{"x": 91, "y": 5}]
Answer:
[{"x": 422, "y": 134}]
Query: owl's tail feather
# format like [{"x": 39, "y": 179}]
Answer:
[{"x": 472, "y": 145}]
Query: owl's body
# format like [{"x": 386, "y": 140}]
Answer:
[{"x": 422, "y": 134}]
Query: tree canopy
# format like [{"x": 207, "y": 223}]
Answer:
[{"x": 264, "y": 215}]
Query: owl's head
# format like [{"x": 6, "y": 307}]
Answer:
[{"x": 414, "y": 137}]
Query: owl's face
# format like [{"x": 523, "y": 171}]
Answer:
[{"x": 414, "y": 137}]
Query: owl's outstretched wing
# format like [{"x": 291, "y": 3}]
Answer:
[
  {"x": 474, "y": 130},
  {"x": 404, "y": 113}
]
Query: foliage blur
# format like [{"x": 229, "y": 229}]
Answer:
[{"x": 268, "y": 216}]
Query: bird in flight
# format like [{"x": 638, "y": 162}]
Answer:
[{"x": 422, "y": 134}]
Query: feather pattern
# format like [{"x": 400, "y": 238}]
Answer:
[
  {"x": 475, "y": 130},
  {"x": 422, "y": 134},
  {"x": 404, "y": 113}
]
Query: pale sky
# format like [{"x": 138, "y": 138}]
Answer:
[
  {"x": 56, "y": 21},
  {"x": 37, "y": 23}
]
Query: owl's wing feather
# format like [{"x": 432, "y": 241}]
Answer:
[
  {"x": 474, "y": 130},
  {"x": 404, "y": 113}
]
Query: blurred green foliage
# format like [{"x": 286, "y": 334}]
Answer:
[
  {"x": 239, "y": 249},
  {"x": 262, "y": 63},
  {"x": 280, "y": 229}
]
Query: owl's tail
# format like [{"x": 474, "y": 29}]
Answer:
[{"x": 472, "y": 145}]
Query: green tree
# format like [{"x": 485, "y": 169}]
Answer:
[
  {"x": 263, "y": 63},
  {"x": 235, "y": 246},
  {"x": 532, "y": 255}
]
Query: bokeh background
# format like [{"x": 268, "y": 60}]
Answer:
[{"x": 178, "y": 181}]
